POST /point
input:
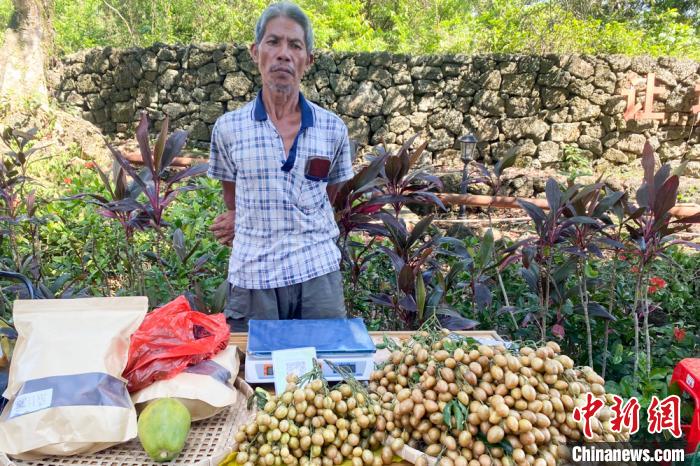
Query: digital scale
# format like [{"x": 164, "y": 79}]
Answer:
[{"x": 344, "y": 342}]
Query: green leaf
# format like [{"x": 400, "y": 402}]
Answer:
[
  {"x": 418, "y": 230},
  {"x": 179, "y": 244},
  {"x": 504, "y": 162},
  {"x": 447, "y": 415},
  {"x": 507, "y": 447},
  {"x": 486, "y": 248},
  {"x": 458, "y": 414},
  {"x": 554, "y": 195},
  {"x": 627, "y": 385},
  {"x": 142, "y": 138},
  {"x": 590, "y": 271},
  {"x": 471, "y": 342},
  {"x": 159, "y": 148},
  {"x": 220, "y": 295},
  {"x": 420, "y": 295},
  {"x": 595, "y": 310}
]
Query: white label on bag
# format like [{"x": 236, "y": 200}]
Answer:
[
  {"x": 30, "y": 402},
  {"x": 690, "y": 381}
]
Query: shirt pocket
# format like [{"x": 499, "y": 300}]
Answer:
[
  {"x": 310, "y": 174},
  {"x": 310, "y": 195}
]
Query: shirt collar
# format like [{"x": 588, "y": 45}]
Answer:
[{"x": 307, "y": 115}]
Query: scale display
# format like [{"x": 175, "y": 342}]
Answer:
[
  {"x": 260, "y": 370},
  {"x": 344, "y": 342}
]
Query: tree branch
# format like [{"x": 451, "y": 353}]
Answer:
[{"x": 126, "y": 23}]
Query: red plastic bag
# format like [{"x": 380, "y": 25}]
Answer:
[{"x": 170, "y": 339}]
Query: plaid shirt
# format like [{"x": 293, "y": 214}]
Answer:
[{"x": 285, "y": 226}]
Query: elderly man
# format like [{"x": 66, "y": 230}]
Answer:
[{"x": 281, "y": 159}]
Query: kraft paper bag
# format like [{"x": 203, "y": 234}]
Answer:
[
  {"x": 65, "y": 390},
  {"x": 205, "y": 388}
]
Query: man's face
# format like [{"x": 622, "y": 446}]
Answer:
[{"x": 281, "y": 55}]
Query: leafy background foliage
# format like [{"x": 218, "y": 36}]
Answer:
[
  {"x": 395, "y": 274},
  {"x": 575, "y": 274},
  {"x": 656, "y": 27}
]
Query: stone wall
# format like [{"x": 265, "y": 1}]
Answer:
[{"x": 540, "y": 107}]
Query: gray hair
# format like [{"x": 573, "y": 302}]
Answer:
[{"x": 286, "y": 10}]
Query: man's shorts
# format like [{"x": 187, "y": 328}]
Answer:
[{"x": 318, "y": 298}]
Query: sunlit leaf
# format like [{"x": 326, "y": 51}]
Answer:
[
  {"x": 179, "y": 243},
  {"x": 453, "y": 320},
  {"x": 159, "y": 148},
  {"x": 419, "y": 229},
  {"x": 173, "y": 146},
  {"x": 486, "y": 248},
  {"x": 420, "y": 296},
  {"x": 554, "y": 195},
  {"x": 666, "y": 197},
  {"x": 595, "y": 310},
  {"x": 504, "y": 162},
  {"x": 648, "y": 164},
  {"x": 144, "y": 143}
]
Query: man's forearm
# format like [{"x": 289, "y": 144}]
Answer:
[{"x": 229, "y": 194}]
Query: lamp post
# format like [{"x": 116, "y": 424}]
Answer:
[{"x": 467, "y": 144}]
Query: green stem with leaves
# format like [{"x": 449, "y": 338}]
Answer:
[
  {"x": 611, "y": 305},
  {"x": 647, "y": 338},
  {"x": 16, "y": 257},
  {"x": 583, "y": 293},
  {"x": 498, "y": 273},
  {"x": 159, "y": 241},
  {"x": 134, "y": 269},
  {"x": 545, "y": 274},
  {"x": 637, "y": 298}
]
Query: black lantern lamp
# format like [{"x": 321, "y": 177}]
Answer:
[{"x": 467, "y": 145}]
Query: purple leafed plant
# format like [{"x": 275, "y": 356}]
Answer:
[
  {"x": 371, "y": 203},
  {"x": 141, "y": 203},
  {"x": 155, "y": 181},
  {"x": 652, "y": 231}
]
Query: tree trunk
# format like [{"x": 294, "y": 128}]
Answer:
[
  {"x": 24, "y": 61},
  {"x": 24, "y": 55}
]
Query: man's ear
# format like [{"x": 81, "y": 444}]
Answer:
[
  {"x": 253, "y": 50},
  {"x": 311, "y": 61}
]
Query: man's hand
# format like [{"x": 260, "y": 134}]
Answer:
[{"x": 224, "y": 227}]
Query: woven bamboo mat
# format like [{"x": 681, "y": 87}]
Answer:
[{"x": 208, "y": 443}]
